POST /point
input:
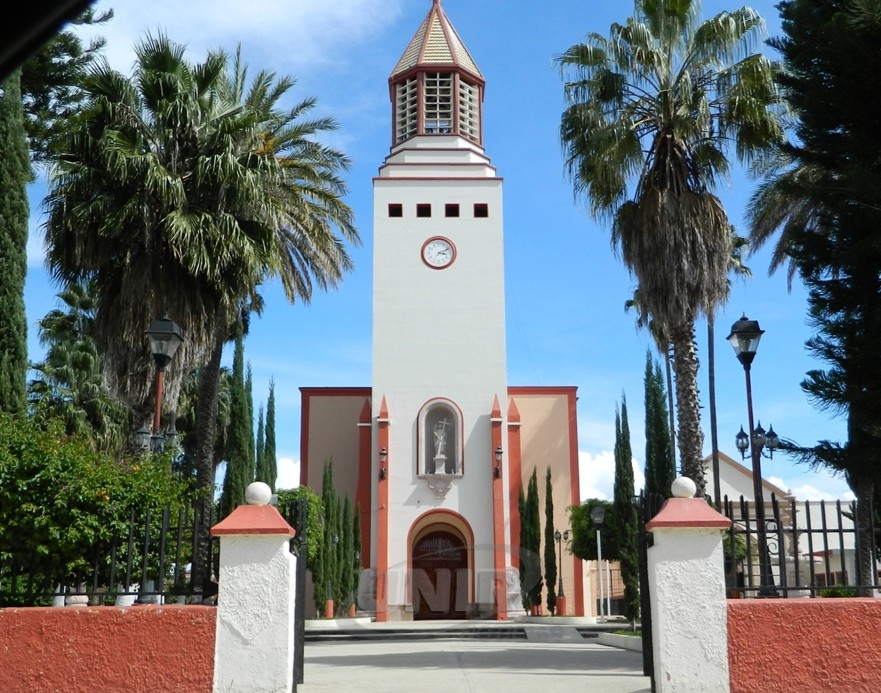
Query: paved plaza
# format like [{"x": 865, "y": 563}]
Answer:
[{"x": 550, "y": 659}]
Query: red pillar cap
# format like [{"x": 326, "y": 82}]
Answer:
[
  {"x": 687, "y": 512},
  {"x": 253, "y": 519}
]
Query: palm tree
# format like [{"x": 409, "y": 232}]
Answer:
[
  {"x": 181, "y": 190},
  {"x": 781, "y": 204},
  {"x": 68, "y": 383},
  {"x": 652, "y": 112}
]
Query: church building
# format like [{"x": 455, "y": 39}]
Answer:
[{"x": 434, "y": 453}]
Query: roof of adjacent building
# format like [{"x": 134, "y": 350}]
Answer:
[{"x": 436, "y": 43}]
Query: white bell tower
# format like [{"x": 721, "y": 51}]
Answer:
[{"x": 438, "y": 324}]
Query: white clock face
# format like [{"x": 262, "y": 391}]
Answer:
[{"x": 438, "y": 252}]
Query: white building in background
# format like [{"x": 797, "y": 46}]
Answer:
[{"x": 818, "y": 538}]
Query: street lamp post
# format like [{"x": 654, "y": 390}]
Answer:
[
  {"x": 561, "y": 598},
  {"x": 164, "y": 336},
  {"x": 744, "y": 338},
  {"x": 597, "y": 514}
]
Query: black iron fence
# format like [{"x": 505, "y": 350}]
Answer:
[
  {"x": 150, "y": 563},
  {"x": 814, "y": 549}
]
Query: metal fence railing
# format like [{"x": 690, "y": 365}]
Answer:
[
  {"x": 814, "y": 549},
  {"x": 149, "y": 563}
]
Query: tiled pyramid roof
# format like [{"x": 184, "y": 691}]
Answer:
[{"x": 436, "y": 43}]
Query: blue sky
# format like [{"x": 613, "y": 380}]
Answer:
[{"x": 565, "y": 288}]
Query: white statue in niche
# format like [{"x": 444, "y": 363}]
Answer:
[{"x": 440, "y": 435}]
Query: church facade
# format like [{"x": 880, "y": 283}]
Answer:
[{"x": 434, "y": 453}]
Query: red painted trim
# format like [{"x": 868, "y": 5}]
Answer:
[
  {"x": 496, "y": 412},
  {"x": 499, "y": 578},
  {"x": 417, "y": 70},
  {"x": 253, "y": 519},
  {"x": 305, "y": 410},
  {"x": 365, "y": 478},
  {"x": 515, "y": 463},
  {"x": 428, "y": 150},
  {"x": 574, "y": 498},
  {"x": 382, "y": 513},
  {"x": 435, "y": 178},
  {"x": 336, "y": 391},
  {"x": 457, "y": 105},
  {"x": 542, "y": 389}
]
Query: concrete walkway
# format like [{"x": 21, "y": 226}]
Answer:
[{"x": 449, "y": 657}]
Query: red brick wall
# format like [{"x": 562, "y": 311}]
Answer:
[
  {"x": 107, "y": 649},
  {"x": 806, "y": 645}
]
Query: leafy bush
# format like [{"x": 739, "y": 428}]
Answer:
[
  {"x": 314, "y": 517},
  {"x": 60, "y": 499},
  {"x": 839, "y": 592}
]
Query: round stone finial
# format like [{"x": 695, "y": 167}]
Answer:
[
  {"x": 683, "y": 487},
  {"x": 258, "y": 493}
]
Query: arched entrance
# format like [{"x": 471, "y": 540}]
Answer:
[{"x": 440, "y": 575}]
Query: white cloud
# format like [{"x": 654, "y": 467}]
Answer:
[
  {"x": 597, "y": 475},
  {"x": 288, "y": 473},
  {"x": 815, "y": 485},
  {"x": 807, "y": 492},
  {"x": 315, "y": 32}
]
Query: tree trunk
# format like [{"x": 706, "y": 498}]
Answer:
[
  {"x": 714, "y": 433},
  {"x": 690, "y": 438},
  {"x": 863, "y": 486},
  {"x": 206, "y": 427}
]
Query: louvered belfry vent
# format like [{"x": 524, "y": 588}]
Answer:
[{"x": 436, "y": 87}]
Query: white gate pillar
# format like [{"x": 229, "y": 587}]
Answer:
[
  {"x": 254, "y": 642},
  {"x": 687, "y": 586}
]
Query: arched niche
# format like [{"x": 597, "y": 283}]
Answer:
[{"x": 440, "y": 442}]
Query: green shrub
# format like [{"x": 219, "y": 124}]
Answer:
[
  {"x": 60, "y": 499},
  {"x": 839, "y": 592}
]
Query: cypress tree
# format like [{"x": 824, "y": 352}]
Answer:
[
  {"x": 660, "y": 469},
  {"x": 261, "y": 473},
  {"x": 269, "y": 446},
  {"x": 239, "y": 468},
  {"x": 15, "y": 173},
  {"x": 550, "y": 546},
  {"x": 356, "y": 547},
  {"x": 319, "y": 536},
  {"x": 533, "y": 521},
  {"x": 347, "y": 553},
  {"x": 249, "y": 403},
  {"x": 330, "y": 547},
  {"x": 625, "y": 516}
]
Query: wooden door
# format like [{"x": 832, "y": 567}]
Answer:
[{"x": 440, "y": 577}]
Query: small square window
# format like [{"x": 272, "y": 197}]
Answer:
[
  {"x": 451, "y": 210},
  {"x": 423, "y": 210},
  {"x": 481, "y": 210},
  {"x": 395, "y": 209}
]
